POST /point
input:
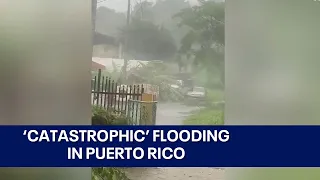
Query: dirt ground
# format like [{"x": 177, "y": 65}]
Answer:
[{"x": 175, "y": 174}]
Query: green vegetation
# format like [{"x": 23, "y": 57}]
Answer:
[
  {"x": 212, "y": 114},
  {"x": 156, "y": 74},
  {"x": 215, "y": 95},
  {"x": 204, "y": 43},
  {"x": 160, "y": 13},
  {"x": 147, "y": 41},
  {"x": 103, "y": 173},
  {"x": 173, "y": 31},
  {"x": 101, "y": 116},
  {"x": 206, "y": 116}
]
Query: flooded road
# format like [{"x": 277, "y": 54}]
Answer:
[{"x": 174, "y": 114}]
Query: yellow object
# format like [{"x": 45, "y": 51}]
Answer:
[{"x": 147, "y": 109}]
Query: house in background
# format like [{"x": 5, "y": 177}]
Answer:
[
  {"x": 96, "y": 66},
  {"x": 98, "y": 39},
  {"x": 106, "y": 51},
  {"x": 101, "y": 40},
  {"x": 105, "y": 46},
  {"x": 112, "y": 64}
]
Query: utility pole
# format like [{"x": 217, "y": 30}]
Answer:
[
  {"x": 93, "y": 19},
  {"x": 125, "y": 49},
  {"x": 141, "y": 10}
]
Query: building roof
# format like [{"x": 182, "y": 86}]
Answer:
[
  {"x": 103, "y": 39},
  {"x": 96, "y": 66},
  {"x": 110, "y": 63}
]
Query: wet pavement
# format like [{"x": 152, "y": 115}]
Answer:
[{"x": 174, "y": 114}]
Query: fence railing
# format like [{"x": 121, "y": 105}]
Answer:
[
  {"x": 111, "y": 95},
  {"x": 142, "y": 112}
]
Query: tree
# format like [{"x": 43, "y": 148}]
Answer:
[
  {"x": 147, "y": 41},
  {"x": 108, "y": 21},
  {"x": 155, "y": 73},
  {"x": 205, "y": 40},
  {"x": 160, "y": 12},
  {"x": 143, "y": 11}
]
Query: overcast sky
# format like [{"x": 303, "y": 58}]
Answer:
[{"x": 121, "y": 5}]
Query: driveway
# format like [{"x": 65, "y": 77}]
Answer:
[{"x": 174, "y": 114}]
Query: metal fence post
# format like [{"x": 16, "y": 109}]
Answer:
[
  {"x": 98, "y": 84},
  {"x": 128, "y": 100},
  {"x": 154, "y": 112}
]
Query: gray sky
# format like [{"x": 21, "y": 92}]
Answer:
[{"x": 121, "y": 5}]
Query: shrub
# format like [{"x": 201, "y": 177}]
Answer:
[
  {"x": 102, "y": 173},
  {"x": 101, "y": 116}
]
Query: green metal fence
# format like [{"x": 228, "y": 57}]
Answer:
[
  {"x": 111, "y": 95},
  {"x": 142, "y": 112},
  {"x": 123, "y": 99}
]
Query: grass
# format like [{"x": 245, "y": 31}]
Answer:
[
  {"x": 206, "y": 117},
  {"x": 215, "y": 95},
  {"x": 212, "y": 114}
]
